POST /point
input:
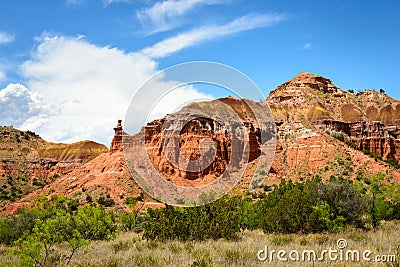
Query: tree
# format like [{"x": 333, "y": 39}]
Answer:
[
  {"x": 35, "y": 246},
  {"x": 55, "y": 221},
  {"x": 379, "y": 207}
]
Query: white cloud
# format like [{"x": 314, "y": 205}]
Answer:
[
  {"x": 191, "y": 38},
  {"x": 18, "y": 104},
  {"x": 6, "y": 38},
  {"x": 165, "y": 15},
  {"x": 91, "y": 87},
  {"x": 176, "y": 99}
]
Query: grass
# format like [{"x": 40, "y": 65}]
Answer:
[{"x": 129, "y": 249}]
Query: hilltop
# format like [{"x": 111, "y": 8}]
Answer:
[{"x": 327, "y": 131}]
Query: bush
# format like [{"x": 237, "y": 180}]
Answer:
[
  {"x": 13, "y": 226},
  {"x": 127, "y": 220},
  {"x": 89, "y": 199},
  {"x": 220, "y": 219},
  {"x": 312, "y": 206},
  {"x": 106, "y": 201},
  {"x": 339, "y": 137},
  {"x": 94, "y": 223},
  {"x": 322, "y": 219},
  {"x": 133, "y": 200},
  {"x": 352, "y": 145},
  {"x": 393, "y": 162}
]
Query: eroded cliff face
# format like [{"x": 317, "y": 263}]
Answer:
[
  {"x": 191, "y": 147},
  {"x": 310, "y": 111},
  {"x": 196, "y": 145},
  {"x": 310, "y": 104},
  {"x": 373, "y": 136}
]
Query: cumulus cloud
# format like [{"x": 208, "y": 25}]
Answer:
[
  {"x": 180, "y": 96},
  {"x": 91, "y": 86},
  {"x": 18, "y": 104},
  {"x": 194, "y": 37},
  {"x": 6, "y": 38},
  {"x": 166, "y": 15}
]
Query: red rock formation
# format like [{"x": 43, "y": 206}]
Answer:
[
  {"x": 116, "y": 143},
  {"x": 105, "y": 175},
  {"x": 175, "y": 135},
  {"x": 369, "y": 119},
  {"x": 372, "y": 136}
]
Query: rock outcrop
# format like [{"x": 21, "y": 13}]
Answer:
[
  {"x": 310, "y": 102},
  {"x": 117, "y": 141},
  {"x": 372, "y": 136},
  {"x": 196, "y": 145}
]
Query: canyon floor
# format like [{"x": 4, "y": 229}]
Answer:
[{"x": 129, "y": 249}]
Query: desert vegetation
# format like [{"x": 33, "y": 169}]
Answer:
[{"x": 314, "y": 212}]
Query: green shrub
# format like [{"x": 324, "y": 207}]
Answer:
[
  {"x": 311, "y": 206},
  {"x": 352, "y": 144},
  {"x": 106, "y": 201},
  {"x": 89, "y": 199},
  {"x": 94, "y": 223},
  {"x": 339, "y": 137},
  {"x": 322, "y": 219},
  {"x": 127, "y": 220},
  {"x": 220, "y": 219},
  {"x": 13, "y": 226},
  {"x": 393, "y": 162}
]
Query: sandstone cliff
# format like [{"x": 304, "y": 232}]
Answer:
[{"x": 309, "y": 110}]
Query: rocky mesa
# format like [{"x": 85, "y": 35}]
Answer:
[
  {"x": 321, "y": 127},
  {"x": 320, "y": 130}
]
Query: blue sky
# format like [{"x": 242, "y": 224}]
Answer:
[{"x": 68, "y": 68}]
